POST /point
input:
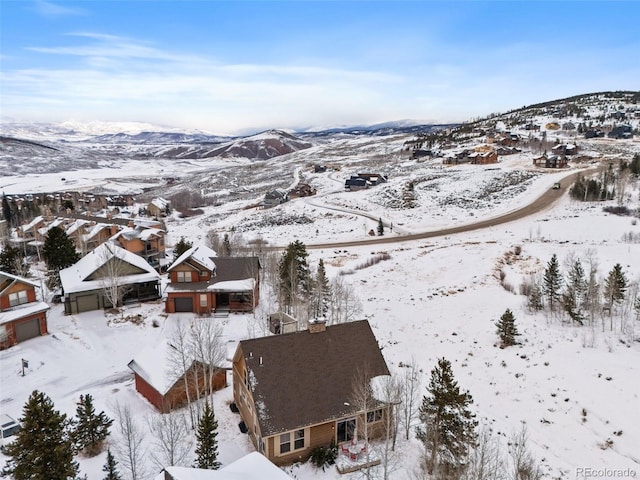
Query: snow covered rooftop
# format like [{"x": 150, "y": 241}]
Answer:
[
  {"x": 75, "y": 278},
  {"x": 23, "y": 310},
  {"x": 201, "y": 254},
  {"x": 153, "y": 364}
]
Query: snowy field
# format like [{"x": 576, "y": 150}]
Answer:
[{"x": 432, "y": 298}]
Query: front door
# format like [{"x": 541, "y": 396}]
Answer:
[{"x": 345, "y": 430}]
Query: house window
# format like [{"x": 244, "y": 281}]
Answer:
[
  {"x": 203, "y": 273},
  {"x": 285, "y": 443},
  {"x": 286, "y": 439},
  {"x": 374, "y": 416},
  {"x": 184, "y": 277},
  {"x": 18, "y": 298},
  {"x": 203, "y": 299}
]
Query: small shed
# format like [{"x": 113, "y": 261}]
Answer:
[
  {"x": 162, "y": 380},
  {"x": 281, "y": 322}
]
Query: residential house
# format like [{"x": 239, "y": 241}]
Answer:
[
  {"x": 294, "y": 391},
  {"x": 149, "y": 243},
  {"x": 97, "y": 234},
  {"x": 565, "y": 149},
  {"x": 166, "y": 382},
  {"x": 550, "y": 161},
  {"x": 253, "y": 466},
  {"x": 203, "y": 283},
  {"x": 373, "y": 178},
  {"x": 354, "y": 183},
  {"x": 85, "y": 282},
  {"x": 22, "y": 316},
  {"x": 621, "y": 132},
  {"x": 159, "y": 207},
  {"x": 275, "y": 197}
]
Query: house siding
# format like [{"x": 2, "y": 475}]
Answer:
[{"x": 17, "y": 287}]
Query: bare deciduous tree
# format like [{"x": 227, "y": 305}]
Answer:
[
  {"x": 129, "y": 448},
  {"x": 410, "y": 398},
  {"x": 345, "y": 304},
  {"x": 113, "y": 271},
  {"x": 172, "y": 440},
  {"x": 523, "y": 465}
]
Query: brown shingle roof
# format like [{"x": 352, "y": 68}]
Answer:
[
  {"x": 235, "y": 268},
  {"x": 306, "y": 378}
]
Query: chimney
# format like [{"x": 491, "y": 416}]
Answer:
[{"x": 317, "y": 325}]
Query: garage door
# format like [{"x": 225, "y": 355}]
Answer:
[
  {"x": 28, "y": 329},
  {"x": 87, "y": 303},
  {"x": 183, "y": 304}
]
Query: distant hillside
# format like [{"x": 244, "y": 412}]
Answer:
[{"x": 262, "y": 146}]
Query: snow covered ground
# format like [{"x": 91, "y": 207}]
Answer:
[{"x": 432, "y": 298}]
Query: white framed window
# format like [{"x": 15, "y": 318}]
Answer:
[
  {"x": 18, "y": 298},
  {"x": 203, "y": 299},
  {"x": 184, "y": 277},
  {"x": 292, "y": 441}
]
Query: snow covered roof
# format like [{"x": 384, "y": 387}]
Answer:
[
  {"x": 201, "y": 254},
  {"x": 32, "y": 223},
  {"x": 253, "y": 466},
  {"x": 246, "y": 285},
  {"x": 160, "y": 202},
  {"x": 75, "y": 278},
  {"x": 153, "y": 364},
  {"x": 21, "y": 311},
  {"x": 9, "y": 276}
]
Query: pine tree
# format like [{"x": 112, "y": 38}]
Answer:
[
  {"x": 226, "y": 246},
  {"x": 615, "y": 286},
  {"x": 573, "y": 298},
  {"x": 12, "y": 261},
  {"x": 321, "y": 292},
  {"x": 109, "y": 468},
  {"x": 181, "y": 247},
  {"x": 294, "y": 273},
  {"x": 59, "y": 251},
  {"x": 380, "y": 227},
  {"x": 552, "y": 281},
  {"x": 507, "y": 329},
  {"x": 448, "y": 426},
  {"x": 534, "y": 300},
  {"x": 42, "y": 449},
  {"x": 90, "y": 429},
  {"x": 206, "y": 442}
]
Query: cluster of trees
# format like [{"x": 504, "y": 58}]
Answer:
[
  {"x": 308, "y": 294},
  {"x": 59, "y": 252},
  {"x": 583, "y": 296},
  {"x": 45, "y": 446}
]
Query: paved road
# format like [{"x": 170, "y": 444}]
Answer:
[{"x": 547, "y": 199}]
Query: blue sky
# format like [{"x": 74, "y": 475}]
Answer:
[{"x": 231, "y": 67}]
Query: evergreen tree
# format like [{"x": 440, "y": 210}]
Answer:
[
  {"x": 615, "y": 286},
  {"x": 507, "y": 329},
  {"x": 59, "y": 251},
  {"x": 226, "y": 246},
  {"x": 294, "y": 273},
  {"x": 448, "y": 426},
  {"x": 181, "y": 247},
  {"x": 12, "y": 261},
  {"x": 109, "y": 468},
  {"x": 321, "y": 292},
  {"x": 42, "y": 449},
  {"x": 552, "y": 282},
  {"x": 380, "y": 227},
  {"x": 90, "y": 429},
  {"x": 6, "y": 211},
  {"x": 573, "y": 298},
  {"x": 534, "y": 300},
  {"x": 206, "y": 442}
]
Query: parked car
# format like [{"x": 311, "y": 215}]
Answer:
[{"x": 556, "y": 186}]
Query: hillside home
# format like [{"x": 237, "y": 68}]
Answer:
[
  {"x": 294, "y": 391},
  {"x": 22, "y": 316},
  {"x": 252, "y": 466},
  {"x": 148, "y": 243},
  {"x": 161, "y": 378},
  {"x": 354, "y": 183},
  {"x": 159, "y": 207},
  {"x": 203, "y": 283},
  {"x": 84, "y": 284},
  {"x": 565, "y": 149},
  {"x": 274, "y": 198},
  {"x": 550, "y": 161}
]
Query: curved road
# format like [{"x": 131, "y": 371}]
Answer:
[{"x": 547, "y": 199}]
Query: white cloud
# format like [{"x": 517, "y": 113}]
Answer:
[{"x": 49, "y": 9}]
